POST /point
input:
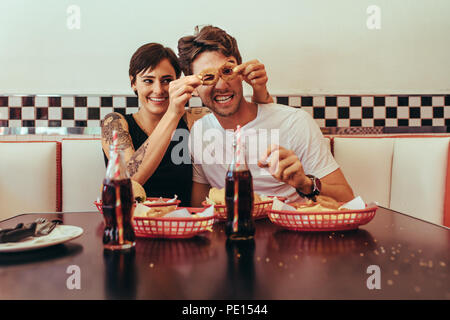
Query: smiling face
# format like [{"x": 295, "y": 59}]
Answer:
[
  {"x": 152, "y": 86},
  {"x": 224, "y": 97}
]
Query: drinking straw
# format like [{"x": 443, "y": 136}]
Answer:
[
  {"x": 238, "y": 146},
  {"x": 119, "y": 213},
  {"x": 236, "y": 181},
  {"x": 116, "y": 147}
]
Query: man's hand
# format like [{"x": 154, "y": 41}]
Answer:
[
  {"x": 180, "y": 91},
  {"x": 254, "y": 73},
  {"x": 285, "y": 166}
]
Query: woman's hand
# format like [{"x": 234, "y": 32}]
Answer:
[
  {"x": 254, "y": 73},
  {"x": 180, "y": 91}
]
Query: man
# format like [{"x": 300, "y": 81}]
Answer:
[{"x": 300, "y": 166}]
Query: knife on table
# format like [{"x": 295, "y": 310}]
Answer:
[{"x": 39, "y": 228}]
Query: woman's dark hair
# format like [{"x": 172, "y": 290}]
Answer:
[
  {"x": 209, "y": 38},
  {"x": 149, "y": 56}
]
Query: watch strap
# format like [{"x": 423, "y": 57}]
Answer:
[{"x": 315, "y": 190}]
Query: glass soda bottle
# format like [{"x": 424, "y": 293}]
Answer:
[
  {"x": 239, "y": 195},
  {"x": 117, "y": 203}
]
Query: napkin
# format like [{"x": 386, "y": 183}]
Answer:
[
  {"x": 208, "y": 212},
  {"x": 278, "y": 205},
  {"x": 161, "y": 200},
  {"x": 173, "y": 199},
  {"x": 140, "y": 210},
  {"x": 355, "y": 204},
  {"x": 180, "y": 213},
  {"x": 184, "y": 213}
]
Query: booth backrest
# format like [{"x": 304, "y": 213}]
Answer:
[
  {"x": 419, "y": 177},
  {"x": 30, "y": 177},
  {"x": 83, "y": 170},
  {"x": 366, "y": 164},
  {"x": 409, "y": 174}
]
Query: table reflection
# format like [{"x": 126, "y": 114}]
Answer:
[
  {"x": 321, "y": 242},
  {"x": 240, "y": 269},
  {"x": 120, "y": 274},
  {"x": 175, "y": 251},
  {"x": 40, "y": 255}
]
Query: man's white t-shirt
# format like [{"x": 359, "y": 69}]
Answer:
[{"x": 211, "y": 148}]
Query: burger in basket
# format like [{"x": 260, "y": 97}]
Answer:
[
  {"x": 177, "y": 223},
  {"x": 216, "y": 197},
  {"x": 155, "y": 208},
  {"x": 324, "y": 214},
  {"x": 144, "y": 211},
  {"x": 152, "y": 206}
]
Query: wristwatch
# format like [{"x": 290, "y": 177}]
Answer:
[{"x": 316, "y": 188}]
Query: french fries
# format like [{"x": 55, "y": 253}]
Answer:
[
  {"x": 142, "y": 210},
  {"x": 217, "y": 197},
  {"x": 322, "y": 204}
]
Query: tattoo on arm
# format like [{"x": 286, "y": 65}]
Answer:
[
  {"x": 113, "y": 122},
  {"x": 136, "y": 159}
]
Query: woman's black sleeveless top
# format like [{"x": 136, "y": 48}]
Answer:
[{"x": 171, "y": 177}]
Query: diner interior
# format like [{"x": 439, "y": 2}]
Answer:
[{"x": 373, "y": 75}]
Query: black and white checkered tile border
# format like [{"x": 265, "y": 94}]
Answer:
[{"x": 338, "y": 111}]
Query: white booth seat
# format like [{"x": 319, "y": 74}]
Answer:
[
  {"x": 409, "y": 174},
  {"x": 366, "y": 164},
  {"x": 30, "y": 177},
  {"x": 420, "y": 176},
  {"x": 83, "y": 170}
]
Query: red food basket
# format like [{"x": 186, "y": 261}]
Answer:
[
  {"x": 172, "y": 228},
  {"x": 98, "y": 204},
  {"x": 322, "y": 221},
  {"x": 259, "y": 211}
]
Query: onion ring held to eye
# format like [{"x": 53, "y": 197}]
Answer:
[
  {"x": 209, "y": 76},
  {"x": 226, "y": 71}
]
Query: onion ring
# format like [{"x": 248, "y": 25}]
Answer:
[
  {"x": 226, "y": 71},
  {"x": 209, "y": 76}
]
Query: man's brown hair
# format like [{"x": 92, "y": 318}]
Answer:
[{"x": 209, "y": 38}]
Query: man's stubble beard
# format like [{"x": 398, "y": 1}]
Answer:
[{"x": 229, "y": 113}]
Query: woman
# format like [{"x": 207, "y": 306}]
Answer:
[{"x": 146, "y": 135}]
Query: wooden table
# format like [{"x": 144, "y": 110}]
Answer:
[{"x": 412, "y": 256}]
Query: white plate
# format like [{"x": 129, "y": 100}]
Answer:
[{"x": 60, "y": 234}]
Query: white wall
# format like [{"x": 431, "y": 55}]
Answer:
[{"x": 308, "y": 47}]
